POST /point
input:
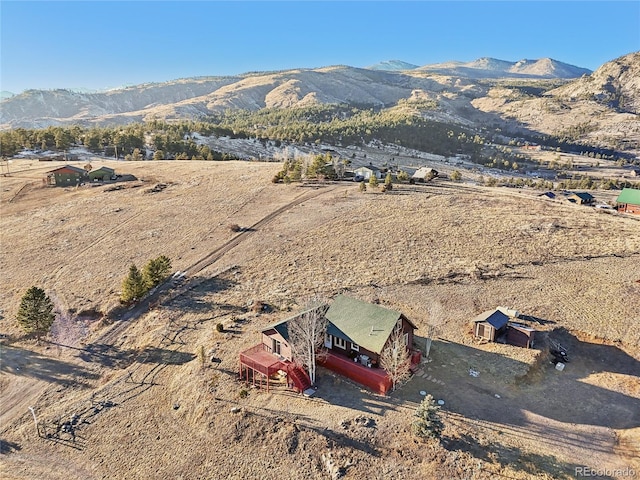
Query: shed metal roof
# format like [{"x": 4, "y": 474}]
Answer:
[{"x": 495, "y": 318}]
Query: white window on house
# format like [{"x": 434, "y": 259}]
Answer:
[
  {"x": 276, "y": 346},
  {"x": 355, "y": 346},
  {"x": 340, "y": 342},
  {"x": 406, "y": 339},
  {"x": 327, "y": 340}
]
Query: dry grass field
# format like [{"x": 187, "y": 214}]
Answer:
[{"x": 149, "y": 403}]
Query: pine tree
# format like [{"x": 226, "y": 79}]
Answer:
[
  {"x": 133, "y": 286},
  {"x": 35, "y": 314},
  {"x": 427, "y": 423},
  {"x": 156, "y": 271},
  {"x": 373, "y": 181},
  {"x": 388, "y": 182}
]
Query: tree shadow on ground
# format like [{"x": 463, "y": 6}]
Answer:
[
  {"x": 514, "y": 458},
  {"x": 21, "y": 362},
  {"x": 114, "y": 357},
  {"x": 7, "y": 447},
  {"x": 107, "y": 355},
  {"x": 164, "y": 356}
]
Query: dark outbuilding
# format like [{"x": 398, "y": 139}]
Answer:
[{"x": 490, "y": 324}]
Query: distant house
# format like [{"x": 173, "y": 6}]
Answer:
[
  {"x": 581, "y": 198},
  {"x": 102, "y": 174},
  {"x": 550, "y": 195},
  {"x": 368, "y": 171},
  {"x": 628, "y": 201},
  {"x": 66, "y": 176},
  {"x": 357, "y": 333},
  {"x": 424, "y": 174}
]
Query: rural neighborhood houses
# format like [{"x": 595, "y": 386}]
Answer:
[
  {"x": 70, "y": 175},
  {"x": 357, "y": 332},
  {"x": 628, "y": 201}
]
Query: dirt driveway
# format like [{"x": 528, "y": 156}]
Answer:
[{"x": 559, "y": 415}]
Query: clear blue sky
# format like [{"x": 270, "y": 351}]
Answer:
[{"x": 106, "y": 44}]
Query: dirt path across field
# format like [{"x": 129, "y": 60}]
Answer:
[{"x": 28, "y": 374}]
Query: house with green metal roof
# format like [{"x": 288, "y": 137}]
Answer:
[
  {"x": 357, "y": 332},
  {"x": 628, "y": 201},
  {"x": 360, "y": 326}
]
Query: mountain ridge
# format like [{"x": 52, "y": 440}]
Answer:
[
  {"x": 603, "y": 105},
  {"x": 381, "y": 85}
]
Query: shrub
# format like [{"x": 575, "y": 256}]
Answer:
[
  {"x": 456, "y": 176},
  {"x": 234, "y": 227},
  {"x": 244, "y": 393},
  {"x": 220, "y": 327}
]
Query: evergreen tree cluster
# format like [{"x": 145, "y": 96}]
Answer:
[
  {"x": 137, "y": 283},
  {"x": 340, "y": 125}
]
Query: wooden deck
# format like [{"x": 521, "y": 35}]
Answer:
[
  {"x": 259, "y": 360},
  {"x": 375, "y": 379}
]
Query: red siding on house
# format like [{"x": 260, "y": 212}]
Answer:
[
  {"x": 375, "y": 379},
  {"x": 629, "y": 208},
  {"x": 285, "y": 348}
]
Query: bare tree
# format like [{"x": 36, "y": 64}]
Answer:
[
  {"x": 306, "y": 335},
  {"x": 395, "y": 358},
  {"x": 435, "y": 313}
]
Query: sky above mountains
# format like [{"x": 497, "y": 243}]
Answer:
[{"x": 98, "y": 45}]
